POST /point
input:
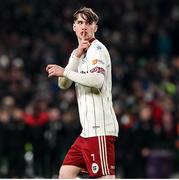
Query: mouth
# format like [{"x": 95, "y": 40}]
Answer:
[{"x": 83, "y": 33}]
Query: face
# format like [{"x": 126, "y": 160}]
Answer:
[{"x": 83, "y": 29}]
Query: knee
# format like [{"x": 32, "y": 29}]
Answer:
[
  {"x": 68, "y": 172},
  {"x": 62, "y": 174},
  {"x": 65, "y": 173},
  {"x": 107, "y": 177}
]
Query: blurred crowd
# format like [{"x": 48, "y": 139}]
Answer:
[{"x": 39, "y": 122}]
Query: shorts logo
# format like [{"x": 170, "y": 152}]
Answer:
[{"x": 95, "y": 168}]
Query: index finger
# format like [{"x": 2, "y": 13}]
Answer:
[
  {"x": 49, "y": 66},
  {"x": 83, "y": 36}
]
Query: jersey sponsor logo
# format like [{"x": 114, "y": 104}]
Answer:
[
  {"x": 83, "y": 72},
  {"x": 98, "y": 70},
  {"x": 95, "y": 168}
]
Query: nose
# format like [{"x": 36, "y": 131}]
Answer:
[{"x": 84, "y": 26}]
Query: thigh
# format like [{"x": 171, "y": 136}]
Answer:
[
  {"x": 69, "y": 172},
  {"x": 99, "y": 155}
]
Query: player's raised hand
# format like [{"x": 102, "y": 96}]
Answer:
[
  {"x": 83, "y": 45},
  {"x": 54, "y": 70}
]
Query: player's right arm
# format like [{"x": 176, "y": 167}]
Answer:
[{"x": 76, "y": 56}]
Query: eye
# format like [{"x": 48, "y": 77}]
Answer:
[{"x": 80, "y": 22}]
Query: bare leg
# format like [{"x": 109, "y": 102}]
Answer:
[{"x": 69, "y": 172}]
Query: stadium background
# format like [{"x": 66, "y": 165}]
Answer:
[{"x": 39, "y": 122}]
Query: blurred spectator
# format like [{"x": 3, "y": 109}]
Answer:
[
  {"x": 35, "y": 117},
  {"x": 143, "y": 140},
  {"x": 53, "y": 142}
]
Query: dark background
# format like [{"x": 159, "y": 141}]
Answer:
[{"x": 39, "y": 122}]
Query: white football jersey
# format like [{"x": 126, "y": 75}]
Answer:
[{"x": 95, "y": 105}]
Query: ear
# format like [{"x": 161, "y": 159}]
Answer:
[
  {"x": 96, "y": 28},
  {"x": 74, "y": 27}
]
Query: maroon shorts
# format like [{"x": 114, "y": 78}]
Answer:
[{"x": 96, "y": 155}]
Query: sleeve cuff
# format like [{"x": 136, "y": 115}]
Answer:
[{"x": 66, "y": 71}]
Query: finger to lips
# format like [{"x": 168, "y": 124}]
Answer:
[{"x": 83, "y": 35}]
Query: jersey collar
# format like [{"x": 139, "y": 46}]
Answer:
[{"x": 91, "y": 40}]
